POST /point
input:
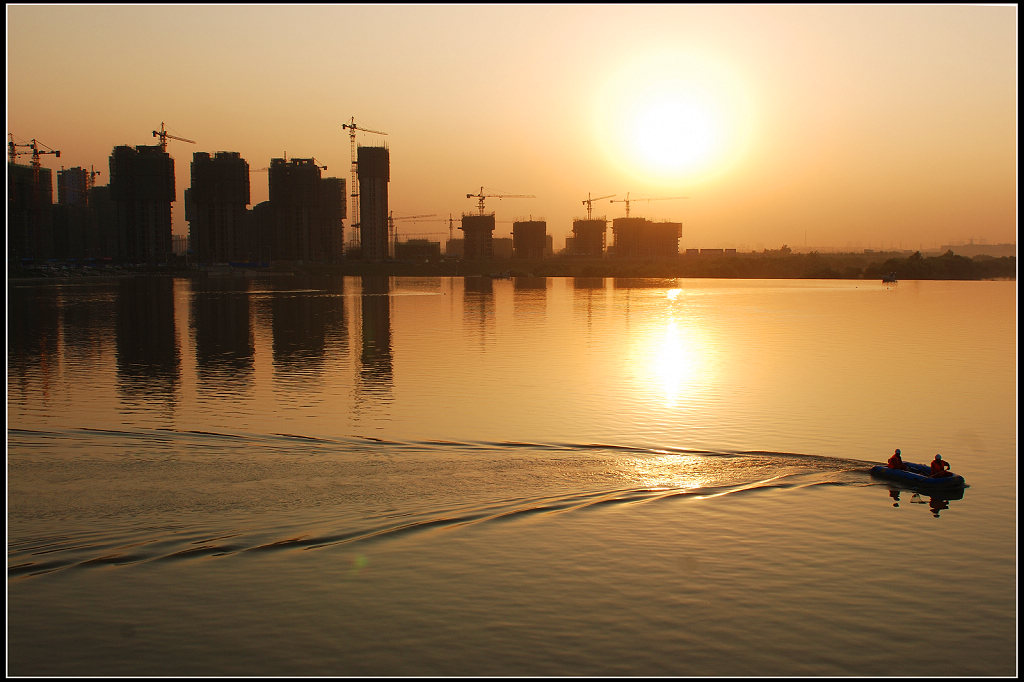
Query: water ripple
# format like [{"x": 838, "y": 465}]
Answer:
[{"x": 27, "y": 559}]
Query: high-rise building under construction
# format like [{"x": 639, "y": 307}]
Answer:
[
  {"x": 29, "y": 212},
  {"x": 374, "y": 170},
  {"x": 72, "y": 233},
  {"x": 305, "y": 213},
  {"x": 478, "y": 231},
  {"x": 142, "y": 189},
  {"x": 641, "y": 238},
  {"x": 73, "y": 186},
  {"x": 588, "y": 237},
  {"x": 529, "y": 239},
  {"x": 215, "y": 207}
]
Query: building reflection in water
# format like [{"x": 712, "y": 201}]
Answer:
[
  {"x": 224, "y": 345},
  {"x": 478, "y": 305},
  {"x": 590, "y": 291},
  {"x": 307, "y": 315},
  {"x": 530, "y": 297},
  {"x": 33, "y": 338},
  {"x": 376, "y": 370},
  {"x": 148, "y": 357},
  {"x": 89, "y": 326}
]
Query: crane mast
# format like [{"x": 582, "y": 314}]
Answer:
[
  {"x": 163, "y": 135},
  {"x": 588, "y": 202},
  {"x": 354, "y": 193}
]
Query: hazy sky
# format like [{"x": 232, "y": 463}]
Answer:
[{"x": 832, "y": 126}]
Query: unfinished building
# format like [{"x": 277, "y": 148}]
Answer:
[
  {"x": 215, "y": 207},
  {"x": 588, "y": 237},
  {"x": 374, "y": 170},
  {"x": 529, "y": 239},
  {"x": 306, "y": 212},
  {"x": 478, "y": 232},
  {"x": 641, "y": 238},
  {"x": 29, "y": 212},
  {"x": 71, "y": 224},
  {"x": 332, "y": 213},
  {"x": 294, "y": 185},
  {"x": 142, "y": 189}
]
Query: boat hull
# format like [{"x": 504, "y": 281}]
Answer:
[{"x": 918, "y": 476}]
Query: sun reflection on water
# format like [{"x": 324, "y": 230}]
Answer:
[
  {"x": 674, "y": 356},
  {"x": 673, "y": 471}
]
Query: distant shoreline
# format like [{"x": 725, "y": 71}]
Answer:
[{"x": 766, "y": 265}]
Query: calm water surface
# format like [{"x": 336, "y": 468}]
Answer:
[{"x": 529, "y": 476}]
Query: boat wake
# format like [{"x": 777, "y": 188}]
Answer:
[{"x": 150, "y": 496}]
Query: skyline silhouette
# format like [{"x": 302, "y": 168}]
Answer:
[{"x": 831, "y": 126}]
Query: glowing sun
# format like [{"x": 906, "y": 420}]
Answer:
[{"x": 671, "y": 117}]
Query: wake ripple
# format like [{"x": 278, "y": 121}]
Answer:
[
  {"x": 103, "y": 545},
  {"x": 30, "y": 561}
]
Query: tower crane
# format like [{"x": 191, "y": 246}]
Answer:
[
  {"x": 36, "y": 164},
  {"x": 481, "y": 196},
  {"x": 588, "y": 202},
  {"x": 627, "y": 200},
  {"x": 354, "y": 194},
  {"x": 163, "y": 135},
  {"x": 36, "y": 152},
  {"x": 12, "y": 148},
  {"x": 13, "y": 153}
]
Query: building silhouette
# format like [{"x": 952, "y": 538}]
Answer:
[
  {"x": 641, "y": 238},
  {"x": 29, "y": 212},
  {"x": 529, "y": 239},
  {"x": 261, "y": 232},
  {"x": 588, "y": 237},
  {"x": 71, "y": 215},
  {"x": 418, "y": 250},
  {"x": 478, "y": 233},
  {"x": 142, "y": 189},
  {"x": 454, "y": 248},
  {"x": 73, "y": 186},
  {"x": 293, "y": 201},
  {"x": 215, "y": 208},
  {"x": 101, "y": 237},
  {"x": 333, "y": 211},
  {"x": 374, "y": 170},
  {"x": 306, "y": 213}
]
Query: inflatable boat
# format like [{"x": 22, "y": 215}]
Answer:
[{"x": 918, "y": 476}]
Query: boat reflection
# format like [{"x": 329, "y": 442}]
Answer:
[{"x": 937, "y": 501}]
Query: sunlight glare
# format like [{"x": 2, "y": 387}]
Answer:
[
  {"x": 671, "y": 133},
  {"x": 670, "y": 116},
  {"x": 675, "y": 363}
]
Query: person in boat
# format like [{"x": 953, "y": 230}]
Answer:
[
  {"x": 896, "y": 461},
  {"x": 940, "y": 467}
]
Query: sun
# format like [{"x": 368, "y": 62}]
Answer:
[
  {"x": 670, "y": 116},
  {"x": 673, "y": 133}
]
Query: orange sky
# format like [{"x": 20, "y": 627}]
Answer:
[{"x": 824, "y": 126}]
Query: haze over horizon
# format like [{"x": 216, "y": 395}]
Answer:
[{"x": 842, "y": 126}]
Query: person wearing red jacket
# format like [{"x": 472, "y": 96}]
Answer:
[
  {"x": 940, "y": 467},
  {"x": 896, "y": 461}
]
